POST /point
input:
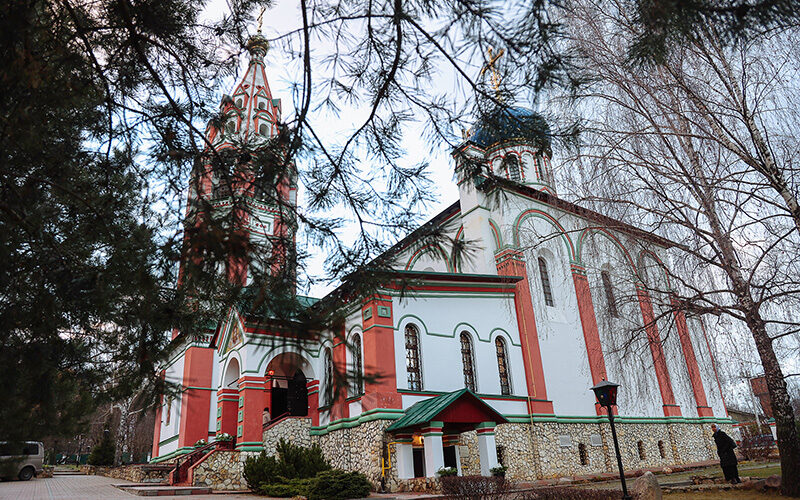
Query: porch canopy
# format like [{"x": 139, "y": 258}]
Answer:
[{"x": 440, "y": 420}]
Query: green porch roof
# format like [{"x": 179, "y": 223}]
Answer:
[{"x": 426, "y": 410}]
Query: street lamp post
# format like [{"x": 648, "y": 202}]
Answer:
[{"x": 606, "y": 393}]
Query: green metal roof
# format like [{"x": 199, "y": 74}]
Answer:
[{"x": 426, "y": 410}]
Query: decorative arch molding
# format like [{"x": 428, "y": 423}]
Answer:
[
  {"x": 645, "y": 253},
  {"x": 605, "y": 232},
  {"x": 460, "y": 327},
  {"x": 428, "y": 249},
  {"x": 272, "y": 354},
  {"x": 498, "y": 237},
  {"x": 455, "y": 266},
  {"x": 232, "y": 355},
  {"x": 539, "y": 214},
  {"x": 499, "y": 332}
]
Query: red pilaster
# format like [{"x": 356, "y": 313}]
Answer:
[
  {"x": 340, "y": 409},
  {"x": 249, "y": 428},
  {"x": 591, "y": 334},
  {"x": 227, "y": 405},
  {"x": 703, "y": 410},
  {"x": 313, "y": 401},
  {"x": 511, "y": 262},
  {"x": 157, "y": 430},
  {"x": 380, "y": 388},
  {"x": 196, "y": 398},
  {"x": 657, "y": 351}
]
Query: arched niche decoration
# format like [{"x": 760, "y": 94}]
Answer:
[{"x": 559, "y": 229}]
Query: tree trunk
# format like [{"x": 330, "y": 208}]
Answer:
[{"x": 788, "y": 443}]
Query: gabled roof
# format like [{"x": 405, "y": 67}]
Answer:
[{"x": 429, "y": 409}]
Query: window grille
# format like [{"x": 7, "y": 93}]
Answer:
[
  {"x": 502, "y": 366},
  {"x": 511, "y": 163},
  {"x": 610, "y": 300},
  {"x": 467, "y": 361},
  {"x": 358, "y": 373},
  {"x": 413, "y": 367},
  {"x": 328, "y": 389},
  {"x": 546, "y": 288},
  {"x": 583, "y": 454}
]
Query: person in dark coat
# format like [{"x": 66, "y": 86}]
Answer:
[{"x": 727, "y": 457}]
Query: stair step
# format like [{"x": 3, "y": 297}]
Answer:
[{"x": 158, "y": 491}]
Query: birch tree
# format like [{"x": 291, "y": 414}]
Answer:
[{"x": 698, "y": 150}]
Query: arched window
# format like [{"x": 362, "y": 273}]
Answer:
[
  {"x": 230, "y": 127},
  {"x": 611, "y": 302},
  {"x": 262, "y": 129},
  {"x": 582, "y": 454},
  {"x": 502, "y": 365},
  {"x": 327, "y": 393},
  {"x": 358, "y": 374},
  {"x": 467, "y": 361},
  {"x": 413, "y": 367},
  {"x": 511, "y": 164},
  {"x": 545, "y": 276}
]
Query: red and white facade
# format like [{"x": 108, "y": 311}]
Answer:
[{"x": 559, "y": 334}]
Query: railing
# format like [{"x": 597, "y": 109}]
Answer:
[
  {"x": 275, "y": 420},
  {"x": 180, "y": 473}
]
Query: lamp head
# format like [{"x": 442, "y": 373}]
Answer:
[{"x": 606, "y": 393}]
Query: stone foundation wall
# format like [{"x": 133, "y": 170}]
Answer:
[
  {"x": 140, "y": 473},
  {"x": 223, "y": 470},
  {"x": 541, "y": 454},
  {"x": 359, "y": 449},
  {"x": 292, "y": 429},
  {"x": 548, "y": 449}
]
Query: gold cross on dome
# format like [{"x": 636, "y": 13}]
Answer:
[
  {"x": 261, "y": 18},
  {"x": 490, "y": 66}
]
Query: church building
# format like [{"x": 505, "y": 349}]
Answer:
[{"x": 488, "y": 359}]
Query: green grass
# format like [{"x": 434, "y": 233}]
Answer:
[{"x": 722, "y": 495}]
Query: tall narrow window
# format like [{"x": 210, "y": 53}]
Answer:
[
  {"x": 467, "y": 361},
  {"x": 358, "y": 374},
  {"x": 546, "y": 289},
  {"x": 169, "y": 410},
  {"x": 413, "y": 367},
  {"x": 502, "y": 365},
  {"x": 511, "y": 164},
  {"x": 327, "y": 395},
  {"x": 610, "y": 300}
]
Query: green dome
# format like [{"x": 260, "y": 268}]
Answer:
[{"x": 512, "y": 124}]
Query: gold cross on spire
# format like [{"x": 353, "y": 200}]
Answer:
[
  {"x": 261, "y": 18},
  {"x": 490, "y": 66}
]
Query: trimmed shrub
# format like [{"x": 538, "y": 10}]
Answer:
[
  {"x": 290, "y": 474},
  {"x": 337, "y": 484},
  {"x": 260, "y": 470},
  {"x": 570, "y": 493},
  {"x": 103, "y": 453},
  {"x": 475, "y": 487},
  {"x": 298, "y": 462},
  {"x": 447, "y": 471},
  {"x": 289, "y": 488}
]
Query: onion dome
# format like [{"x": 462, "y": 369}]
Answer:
[
  {"x": 512, "y": 124},
  {"x": 258, "y": 46}
]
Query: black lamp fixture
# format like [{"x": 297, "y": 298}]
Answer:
[{"x": 606, "y": 394}]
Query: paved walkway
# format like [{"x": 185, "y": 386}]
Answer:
[{"x": 79, "y": 487}]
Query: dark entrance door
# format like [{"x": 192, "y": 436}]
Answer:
[
  {"x": 297, "y": 398},
  {"x": 279, "y": 402},
  {"x": 450, "y": 457},
  {"x": 419, "y": 462}
]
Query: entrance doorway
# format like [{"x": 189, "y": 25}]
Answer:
[{"x": 289, "y": 396}]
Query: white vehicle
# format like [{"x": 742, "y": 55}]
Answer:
[{"x": 21, "y": 459}]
